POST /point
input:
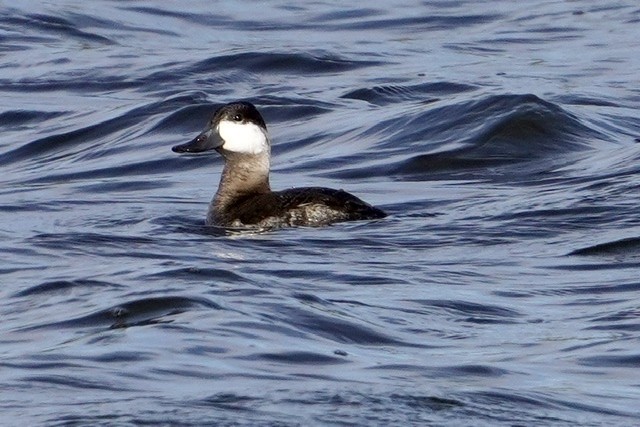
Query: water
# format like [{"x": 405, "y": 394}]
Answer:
[{"x": 502, "y": 138}]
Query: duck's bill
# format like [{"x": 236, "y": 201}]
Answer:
[{"x": 207, "y": 140}]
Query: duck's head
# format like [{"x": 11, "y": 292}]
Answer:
[{"x": 234, "y": 128}]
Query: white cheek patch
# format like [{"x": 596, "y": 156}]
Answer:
[{"x": 243, "y": 137}]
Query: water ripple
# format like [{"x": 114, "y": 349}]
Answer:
[{"x": 141, "y": 312}]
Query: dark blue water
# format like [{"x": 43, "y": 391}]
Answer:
[{"x": 503, "y": 139}]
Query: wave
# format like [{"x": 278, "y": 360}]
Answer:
[
  {"x": 627, "y": 246},
  {"x": 494, "y": 136},
  {"x": 138, "y": 312}
]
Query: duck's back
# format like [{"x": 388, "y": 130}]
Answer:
[{"x": 306, "y": 206}]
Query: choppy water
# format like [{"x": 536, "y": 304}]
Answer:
[{"x": 502, "y": 137}]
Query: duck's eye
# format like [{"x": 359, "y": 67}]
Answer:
[{"x": 237, "y": 118}]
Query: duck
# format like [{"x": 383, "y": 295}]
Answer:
[{"x": 244, "y": 198}]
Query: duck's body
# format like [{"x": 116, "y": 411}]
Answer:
[
  {"x": 244, "y": 197},
  {"x": 305, "y": 206}
]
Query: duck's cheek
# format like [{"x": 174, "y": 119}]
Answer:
[{"x": 246, "y": 138}]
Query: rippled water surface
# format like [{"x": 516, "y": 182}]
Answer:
[{"x": 503, "y": 139}]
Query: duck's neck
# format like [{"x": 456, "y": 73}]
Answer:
[{"x": 243, "y": 175}]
